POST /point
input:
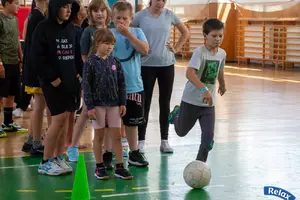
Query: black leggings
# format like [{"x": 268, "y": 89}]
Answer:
[{"x": 165, "y": 77}]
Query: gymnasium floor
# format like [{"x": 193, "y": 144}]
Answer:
[{"x": 256, "y": 145}]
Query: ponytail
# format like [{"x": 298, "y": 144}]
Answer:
[{"x": 150, "y": 3}]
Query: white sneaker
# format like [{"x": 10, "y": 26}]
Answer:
[
  {"x": 124, "y": 142},
  {"x": 61, "y": 161},
  {"x": 50, "y": 168},
  {"x": 18, "y": 113},
  {"x": 141, "y": 146},
  {"x": 165, "y": 147}
]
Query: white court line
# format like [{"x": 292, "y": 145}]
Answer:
[
  {"x": 154, "y": 191},
  {"x": 21, "y": 166},
  {"x": 184, "y": 185},
  {"x": 88, "y": 161},
  {"x": 227, "y": 176},
  {"x": 134, "y": 193}
]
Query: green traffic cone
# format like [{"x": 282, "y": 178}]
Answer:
[{"x": 80, "y": 189}]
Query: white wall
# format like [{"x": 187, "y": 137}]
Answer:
[
  {"x": 179, "y": 2},
  {"x": 226, "y": 1}
]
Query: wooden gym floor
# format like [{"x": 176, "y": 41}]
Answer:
[{"x": 257, "y": 144}]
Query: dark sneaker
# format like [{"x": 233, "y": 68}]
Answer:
[
  {"x": 101, "y": 173},
  {"x": 173, "y": 114},
  {"x": 26, "y": 147},
  {"x": 123, "y": 173},
  {"x": 14, "y": 127},
  {"x": 137, "y": 159},
  {"x": 38, "y": 152},
  {"x": 107, "y": 159},
  {"x": 2, "y": 133}
]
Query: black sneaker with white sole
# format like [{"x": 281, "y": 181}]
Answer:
[
  {"x": 122, "y": 173},
  {"x": 26, "y": 147},
  {"x": 137, "y": 159},
  {"x": 101, "y": 173},
  {"x": 38, "y": 152}
]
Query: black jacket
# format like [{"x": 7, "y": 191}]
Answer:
[
  {"x": 56, "y": 50},
  {"x": 29, "y": 73}
]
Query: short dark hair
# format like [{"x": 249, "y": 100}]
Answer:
[
  {"x": 4, "y": 1},
  {"x": 212, "y": 24}
]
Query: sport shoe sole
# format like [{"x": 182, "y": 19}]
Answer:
[
  {"x": 137, "y": 164},
  {"x": 3, "y": 135},
  {"x": 68, "y": 171},
  {"x": 45, "y": 173},
  {"x": 72, "y": 160},
  {"x": 101, "y": 178},
  {"x": 124, "y": 178},
  {"x": 36, "y": 153},
  {"x": 162, "y": 150}
]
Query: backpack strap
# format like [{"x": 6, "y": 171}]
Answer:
[
  {"x": 132, "y": 53},
  {"x": 130, "y": 57}
]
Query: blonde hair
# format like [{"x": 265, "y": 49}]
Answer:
[
  {"x": 102, "y": 35},
  {"x": 95, "y": 5}
]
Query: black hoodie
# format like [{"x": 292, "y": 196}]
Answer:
[
  {"x": 55, "y": 49},
  {"x": 29, "y": 72}
]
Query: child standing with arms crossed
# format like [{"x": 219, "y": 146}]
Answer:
[
  {"x": 199, "y": 96},
  {"x": 130, "y": 44},
  {"x": 105, "y": 97}
]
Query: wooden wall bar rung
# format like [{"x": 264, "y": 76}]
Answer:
[{"x": 268, "y": 39}]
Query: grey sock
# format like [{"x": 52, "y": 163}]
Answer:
[
  {"x": 29, "y": 140},
  {"x": 37, "y": 144}
]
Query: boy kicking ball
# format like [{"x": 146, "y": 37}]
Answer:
[{"x": 198, "y": 101}]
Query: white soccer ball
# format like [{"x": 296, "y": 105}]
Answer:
[{"x": 197, "y": 174}]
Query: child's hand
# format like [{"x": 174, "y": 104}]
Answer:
[
  {"x": 21, "y": 66},
  {"x": 56, "y": 83},
  {"x": 170, "y": 47},
  {"x": 92, "y": 114},
  {"x": 122, "y": 111},
  {"x": 222, "y": 90},
  {"x": 79, "y": 78},
  {"x": 207, "y": 98},
  {"x": 122, "y": 29}
]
